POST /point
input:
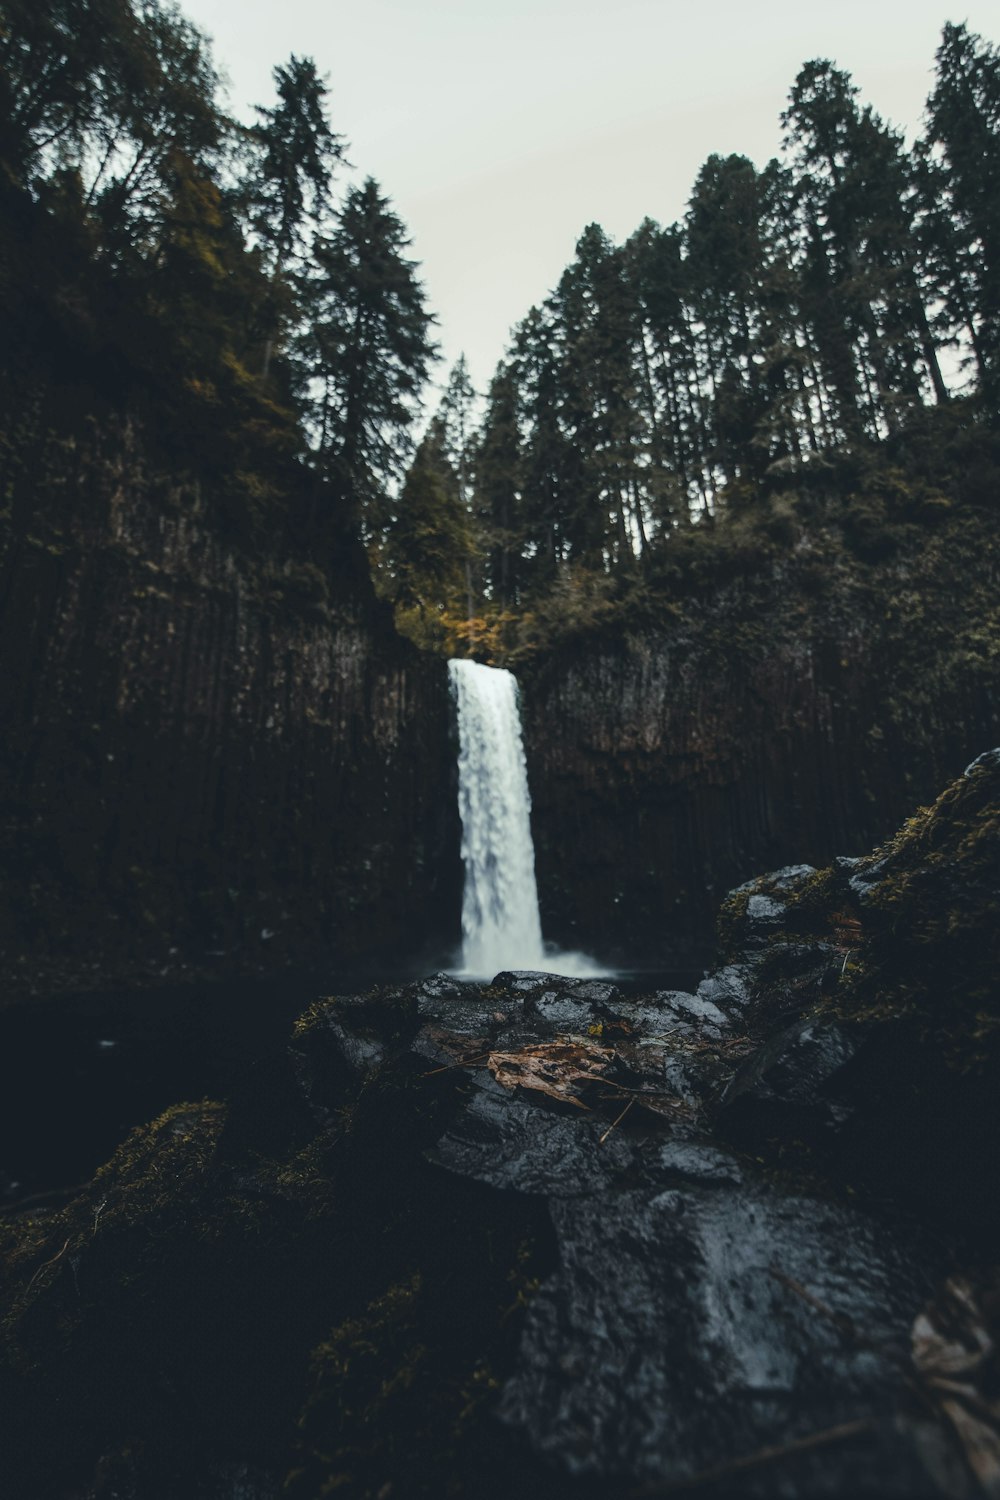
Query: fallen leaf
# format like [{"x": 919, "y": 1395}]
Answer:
[
  {"x": 557, "y": 1069},
  {"x": 955, "y": 1356}
]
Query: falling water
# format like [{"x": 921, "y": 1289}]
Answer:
[{"x": 501, "y": 927}]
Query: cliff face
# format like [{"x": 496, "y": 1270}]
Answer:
[
  {"x": 201, "y": 752},
  {"x": 787, "y": 716},
  {"x": 208, "y": 754}
]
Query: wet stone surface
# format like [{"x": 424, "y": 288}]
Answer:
[
  {"x": 699, "y": 1307},
  {"x": 547, "y": 1237}
]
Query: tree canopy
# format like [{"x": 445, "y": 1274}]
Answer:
[{"x": 833, "y": 313}]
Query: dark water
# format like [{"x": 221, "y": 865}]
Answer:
[{"x": 79, "y": 1071}]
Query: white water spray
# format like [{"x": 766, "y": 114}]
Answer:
[{"x": 501, "y": 927}]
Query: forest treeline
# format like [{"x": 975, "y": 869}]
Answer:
[{"x": 825, "y": 328}]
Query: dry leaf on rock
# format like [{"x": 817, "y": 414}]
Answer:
[
  {"x": 956, "y": 1357},
  {"x": 558, "y": 1069}
]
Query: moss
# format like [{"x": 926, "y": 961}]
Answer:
[
  {"x": 88, "y": 1272},
  {"x": 931, "y": 952},
  {"x": 730, "y": 922},
  {"x": 922, "y": 946},
  {"x": 139, "y": 1185},
  {"x": 926, "y": 932},
  {"x": 814, "y": 908},
  {"x": 173, "y": 1302},
  {"x": 316, "y": 1014},
  {"x": 400, "y": 1397}
]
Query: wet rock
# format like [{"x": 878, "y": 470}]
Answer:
[
  {"x": 863, "y": 875},
  {"x": 524, "y": 981},
  {"x": 468, "y": 1012},
  {"x": 699, "y": 1162},
  {"x": 684, "y": 1077},
  {"x": 510, "y": 1144},
  {"x": 798, "y": 1068},
  {"x": 685, "y": 1328},
  {"x": 563, "y": 1012},
  {"x": 764, "y": 914},
  {"x": 758, "y": 910},
  {"x": 361, "y": 1053},
  {"x": 429, "y": 992},
  {"x": 697, "y": 1313},
  {"x": 728, "y": 988},
  {"x": 697, "y": 1013},
  {"x": 665, "y": 1013},
  {"x": 988, "y": 761},
  {"x": 789, "y": 878},
  {"x": 336, "y": 1045},
  {"x": 597, "y": 991}
]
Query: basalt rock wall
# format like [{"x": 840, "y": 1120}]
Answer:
[
  {"x": 790, "y": 715},
  {"x": 205, "y": 754}
]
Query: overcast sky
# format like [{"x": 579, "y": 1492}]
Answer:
[{"x": 500, "y": 128}]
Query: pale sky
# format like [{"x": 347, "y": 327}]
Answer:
[{"x": 500, "y": 128}]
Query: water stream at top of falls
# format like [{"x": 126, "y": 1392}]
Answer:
[{"x": 501, "y": 926}]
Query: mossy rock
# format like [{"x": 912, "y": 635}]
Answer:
[
  {"x": 931, "y": 923},
  {"x": 209, "y": 1297},
  {"x": 902, "y": 950}
]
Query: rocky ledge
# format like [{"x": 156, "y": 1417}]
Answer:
[{"x": 549, "y": 1237}]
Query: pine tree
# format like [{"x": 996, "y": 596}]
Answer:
[
  {"x": 660, "y": 276},
  {"x": 366, "y": 353},
  {"x": 725, "y": 252},
  {"x": 428, "y": 541},
  {"x": 456, "y": 415},
  {"x": 861, "y": 293},
  {"x": 498, "y": 479},
  {"x": 597, "y": 321},
  {"x": 546, "y": 461},
  {"x": 295, "y": 153},
  {"x": 961, "y": 169},
  {"x": 109, "y": 92},
  {"x": 62, "y": 67}
]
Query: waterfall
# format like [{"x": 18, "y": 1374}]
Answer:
[{"x": 501, "y": 927}]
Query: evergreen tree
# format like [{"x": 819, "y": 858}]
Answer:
[
  {"x": 428, "y": 541},
  {"x": 62, "y": 67},
  {"x": 545, "y": 462},
  {"x": 297, "y": 153},
  {"x": 961, "y": 169},
  {"x": 660, "y": 277},
  {"x": 725, "y": 254},
  {"x": 498, "y": 464},
  {"x": 456, "y": 414},
  {"x": 597, "y": 321},
  {"x": 861, "y": 293},
  {"x": 792, "y": 421},
  {"x": 109, "y": 92},
  {"x": 367, "y": 352}
]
